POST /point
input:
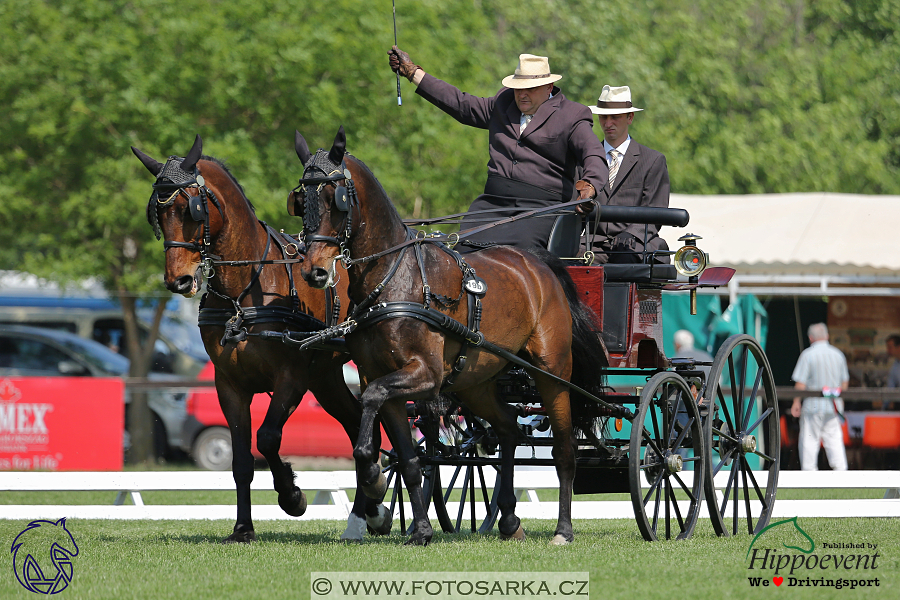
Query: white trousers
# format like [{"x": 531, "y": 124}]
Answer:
[{"x": 816, "y": 428}]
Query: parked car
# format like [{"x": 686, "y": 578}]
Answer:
[
  {"x": 309, "y": 431},
  {"x": 38, "y": 352},
  {"x": 178, "y": 349}
]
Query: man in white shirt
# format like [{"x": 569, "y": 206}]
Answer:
[{"x": 821, "y": 367}]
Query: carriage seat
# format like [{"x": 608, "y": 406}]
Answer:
[
  {"x": 565, "y": 242},
  {"x": 565, "y": 236},
  {"x": 640, "y": 273}
]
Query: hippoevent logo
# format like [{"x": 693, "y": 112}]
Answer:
[
  {"x": 42, "y": 556},
  {"x": 794, "y": 561}
]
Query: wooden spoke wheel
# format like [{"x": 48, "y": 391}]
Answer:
[
  {"x": 742, "y": 435},
  {"x": 666, "y": 453}
]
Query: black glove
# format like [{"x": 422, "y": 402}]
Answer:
[{"x": 400, "y": 63}]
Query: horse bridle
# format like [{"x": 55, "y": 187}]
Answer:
[
  {"x": 172, "y": 182},
  {"x": 345, "y": 199}
]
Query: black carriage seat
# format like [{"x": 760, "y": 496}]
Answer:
[
  {"x": 640, "y": 273},
  {"x": 565, "y": 236},
  {"x": 565, "y": 241}
]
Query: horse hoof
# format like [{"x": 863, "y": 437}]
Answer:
[
  {"x": 241, "y": 536},
  {"x": 381, "y": 523},
  {"x": 376, "y": 489},
  {"x": 417, "y": 539},
  {"x": 355, "y": 528},
  {"x": 559, "y": 540},
  {"x": 518, "y": 536},
  {"x": 293, "y": 502}
]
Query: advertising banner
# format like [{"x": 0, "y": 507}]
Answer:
[{"x": 61, "y": 423}]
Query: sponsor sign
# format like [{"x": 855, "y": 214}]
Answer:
[{"x": 61, "y": 423}]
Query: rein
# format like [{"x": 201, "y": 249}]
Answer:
[{"x": 454, "y": 238}]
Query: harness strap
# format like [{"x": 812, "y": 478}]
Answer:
[
  {"x": 254, "y": 315},
  {"x": 454, "y": 238},
  {"x": 233, "y": 330},
  {"x": 434, "y": 318},
  {"x": 373, "y": 295}
]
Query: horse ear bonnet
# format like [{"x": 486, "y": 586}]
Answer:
[{"x": 172, "y": 176}]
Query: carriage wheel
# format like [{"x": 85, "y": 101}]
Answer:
[
  {"x": 455, "y": 440},
  {"x": 460, "y": 490},
  {"x": 666, "y": 452},
  {"x": 742, "y": 435}
]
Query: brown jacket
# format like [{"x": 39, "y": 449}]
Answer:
[{"x": 557, "y": 140}]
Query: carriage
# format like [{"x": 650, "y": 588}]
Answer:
[
  {"x": 710, "y": 430},
  {"x": 477, "y": 380}
]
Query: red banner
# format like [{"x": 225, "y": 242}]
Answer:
[{"x": 61, "y": 423}]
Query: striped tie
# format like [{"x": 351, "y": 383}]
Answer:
[{"x": 613, "y": 167}]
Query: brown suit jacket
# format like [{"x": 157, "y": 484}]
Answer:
[
  {"x": 556, "y": 142},
  {"x": 642, "y": 180}
]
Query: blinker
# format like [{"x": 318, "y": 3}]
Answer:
[
  {"x": 341, "y": 199},
  {"x": 292, "y": 204},
  {"x": 198, "y": 208}
]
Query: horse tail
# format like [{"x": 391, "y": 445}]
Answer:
[{"x": 587, "y": 350}]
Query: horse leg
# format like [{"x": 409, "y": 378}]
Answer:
[
  {"x": 236, "y": 408},
  {"x": 411, "y": 382},
  {"x": 396, "y": 423},
  {"x": 484, "y": 403},
  {"x": 285, "y": 399},
  {"x": 556, "y": 402},
  {"x": 332, "y": 393}
]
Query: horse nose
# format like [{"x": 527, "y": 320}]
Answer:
[
  {"x": 317, "y": 277},
  {"x": 181, "y": 285}
]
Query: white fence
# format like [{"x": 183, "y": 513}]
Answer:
[{"x": 327, "y": 491}]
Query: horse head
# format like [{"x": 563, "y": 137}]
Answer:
[
  {"x": 180, "y": 211},
  {"x": 339, "y": 200},
  {"x": 324, "y": 198}
]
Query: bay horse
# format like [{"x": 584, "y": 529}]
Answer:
[
  {"x": 204, "y": 215},
  {"x": 527, "y": 309}
]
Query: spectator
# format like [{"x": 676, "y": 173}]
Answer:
[
  {"x": 821, "y": 367},
  {"x": 684, "y": 348},
  {"x": 893, "y": 380}
]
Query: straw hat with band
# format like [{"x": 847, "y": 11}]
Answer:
[
  {"x": 533, "y": 71},
  {"x": 614, "y": 101}
]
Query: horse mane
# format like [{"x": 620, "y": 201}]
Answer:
[
  {"x": 221, "y": 164},
  {"x": 368, "y": 171}
]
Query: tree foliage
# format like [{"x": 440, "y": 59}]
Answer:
[{"x": 750, "y": 96}]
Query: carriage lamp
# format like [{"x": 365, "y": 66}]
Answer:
[{"x": 690, "y": 261}]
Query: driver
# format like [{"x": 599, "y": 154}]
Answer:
[{"x": 537, "y": 140}]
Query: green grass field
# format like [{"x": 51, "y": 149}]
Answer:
[{"x": 183, "y": 559}]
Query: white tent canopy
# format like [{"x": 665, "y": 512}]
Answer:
[{"x": 810, "y": 238}]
